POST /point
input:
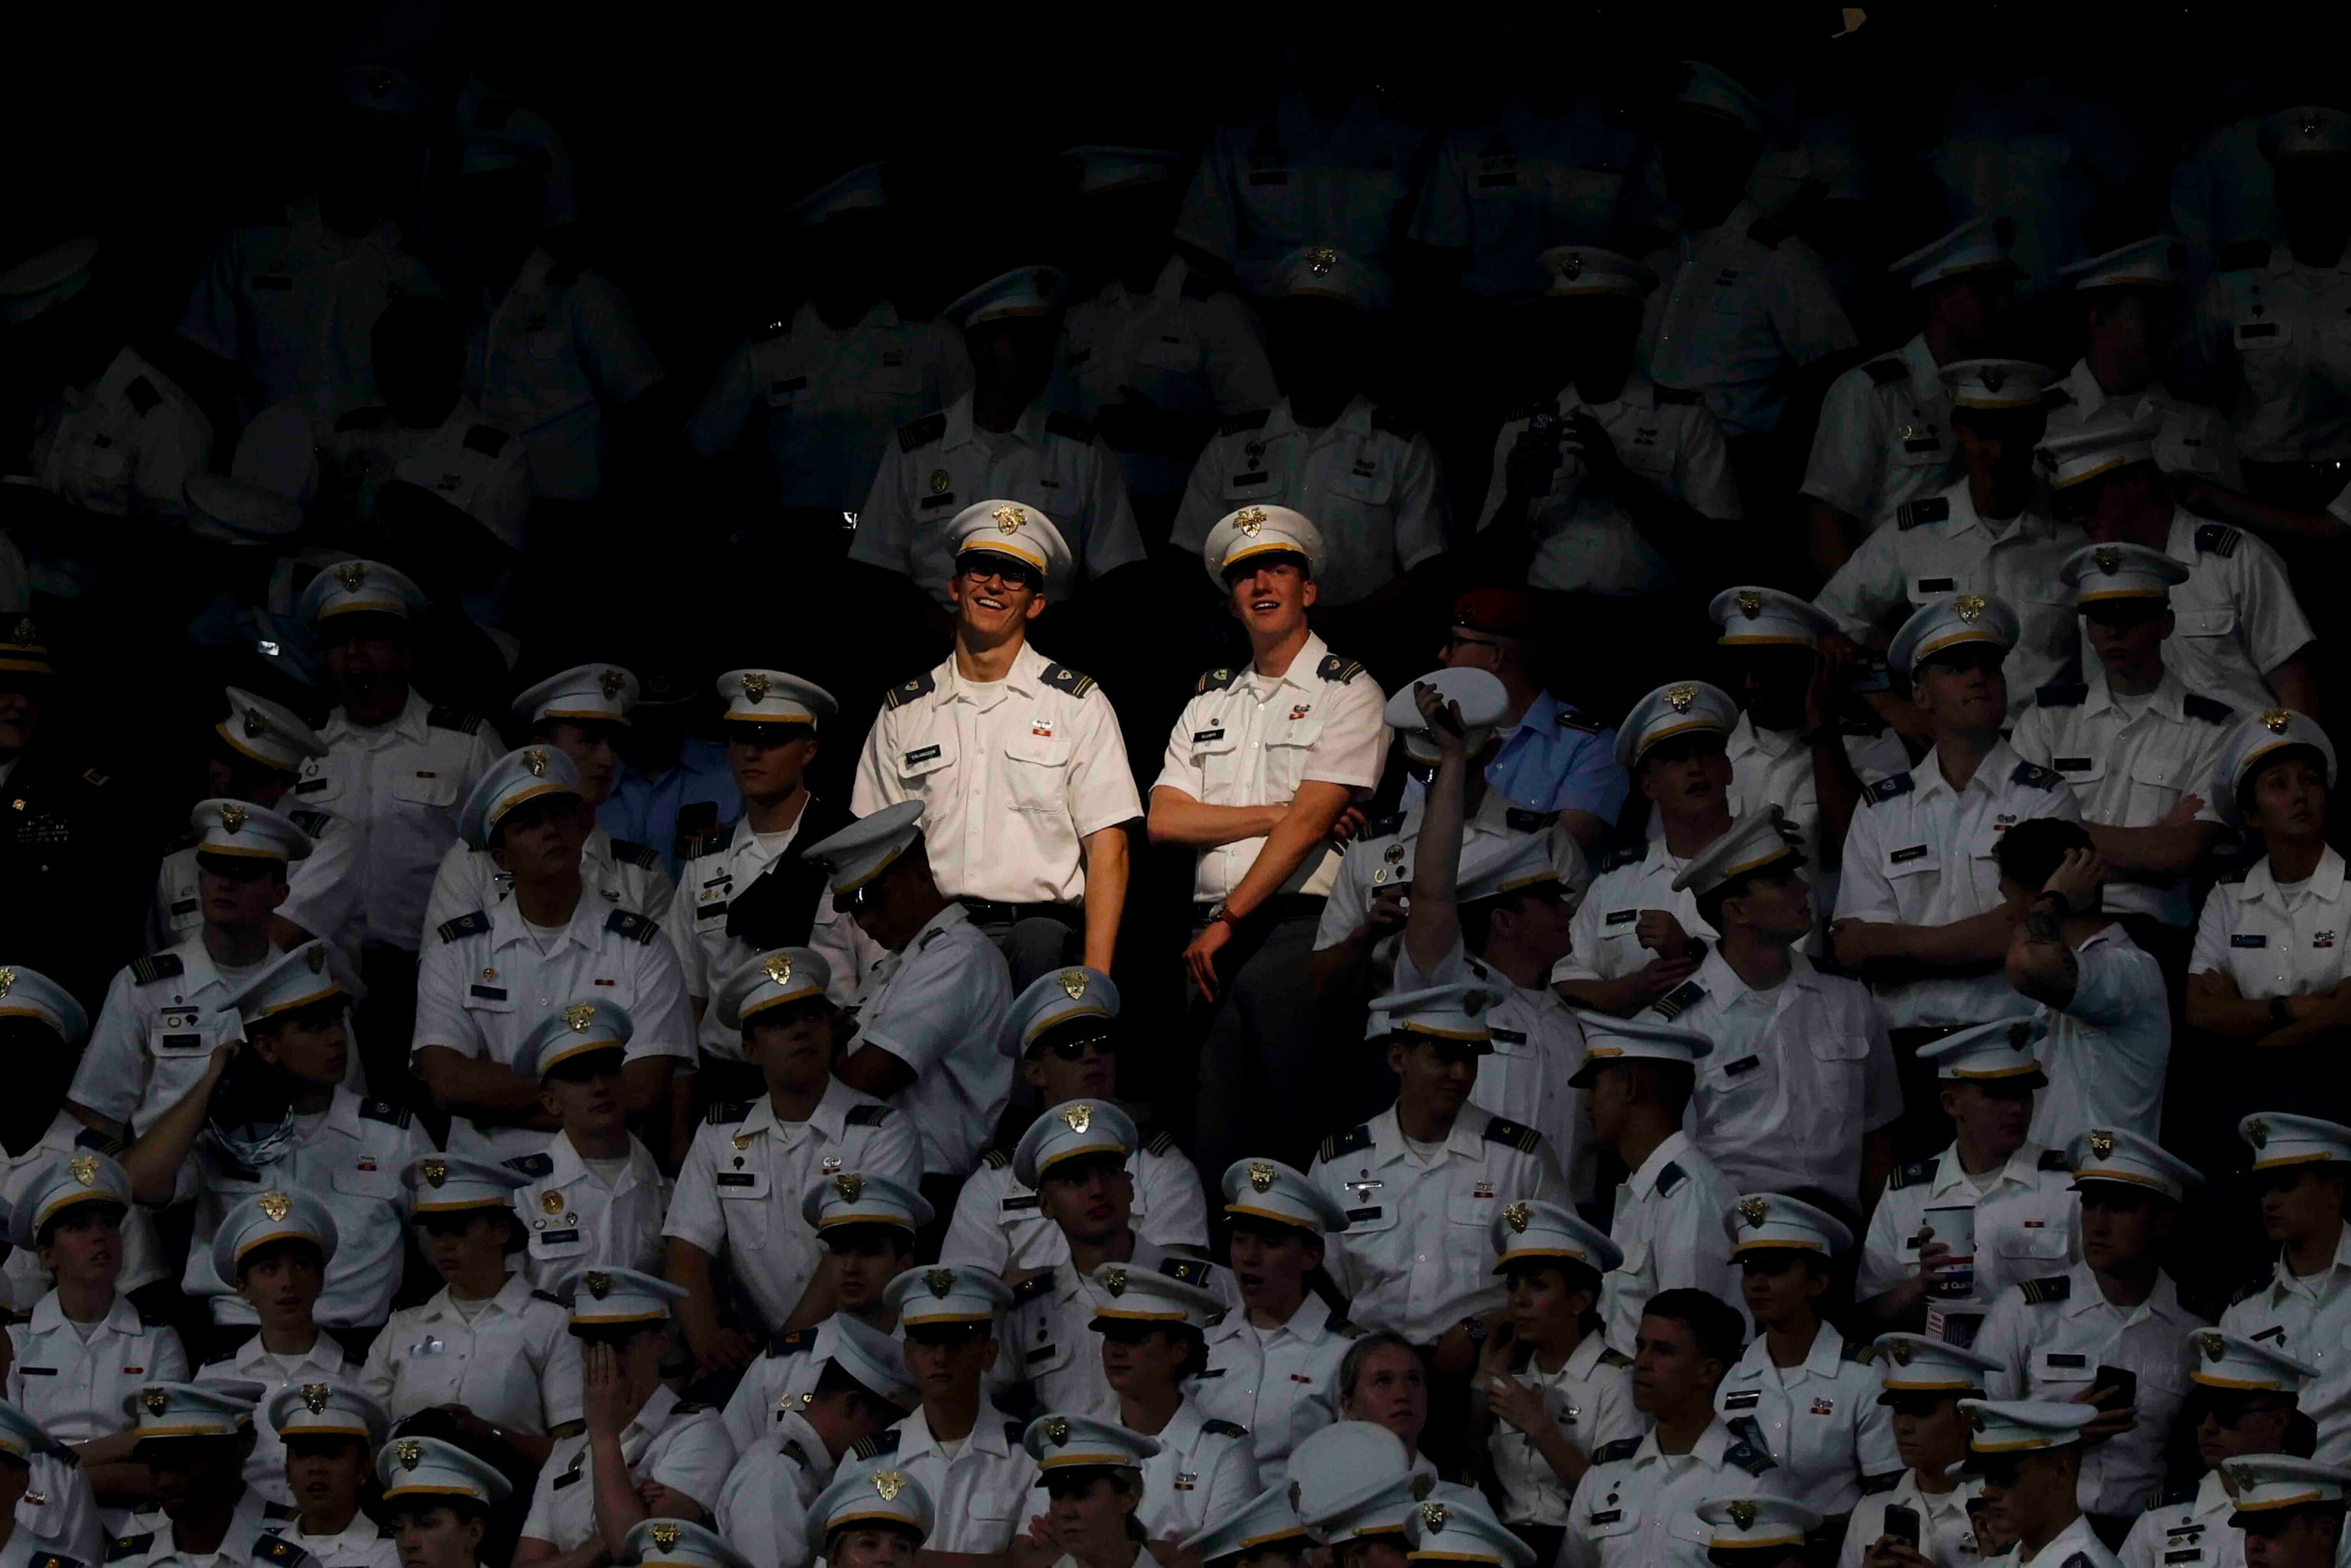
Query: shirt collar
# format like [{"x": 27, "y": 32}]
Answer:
[
  {"x": 510, "y": 1301},
  {"x": 1301, "y": 671},
  {"x": 1026, "y": 676},
  {"x": 658, "y": 1406},
  {"x": 507, "y": 927},
  {"x": 2167, "y": 698},
  {"x": 409, "y": 724},
  {"x": 343, "y": 1112},
  {"x": 1644, "y": 1181},
  {"x": 959, "y": 426},
  {"x": 49, "y": 1315},
  {"x": 1998, "y": 764},
  {"x": 2325, "y": 883},
  {"x": 1638, "y": 391},
  {"x": 2019, "y": 1168}
]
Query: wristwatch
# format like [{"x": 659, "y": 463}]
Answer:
[
  {"x": 1222, "y": 913},
  {"x": 1476, "y": 1329}
]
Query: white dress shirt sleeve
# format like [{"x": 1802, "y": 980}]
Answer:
[
  {"x": 1101, "y": 783},
  {"x": 1111, "y": 539},
  {"x": 1421, "y": 513},
  {"x": 1848, "y": 446},
  {"x": 976, "y": 1233},
  {"x": 884, "y": 536},
  {"x": 1702, "y": 476},
  {"x": 441, "y": 1015},
  {"x": 693, "y": 1214},
  {"x": 664, "y": 1022},
  {"x": 2005, "y": 1337},
  {"x": 113, "y": 1072},
  {"x": 697, "y": 1461},
  {"x": 1354, "y": 745},
  {"x": 2275, "y": 628}
]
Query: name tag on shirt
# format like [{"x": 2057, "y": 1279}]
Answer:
[
  {"x": 2061, "y": 1360},
  {"x": 2249, "y": 939},
  {"x": 1623, "y": 916},
  {"x": 1915, "y": 851},
  {"x": 488, "y": 993},
  {"x": 1742, "y": 1399},
  {"x": 924, "y": 754},
  {"x": 1744, "y": 1064},
  {"x": 2073, "y": 764},
  {"x": 1935, "y": 585},
  {"x": 1202, "y": 736},
  {"x": 1014, "y": 1205}
]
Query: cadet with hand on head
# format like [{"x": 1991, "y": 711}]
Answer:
[
  {"x": 1093, "y": 1481},
  {"x": 1922, "y": 1521}
]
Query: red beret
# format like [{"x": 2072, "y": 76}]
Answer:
[{"x": 1498, "y": 611}]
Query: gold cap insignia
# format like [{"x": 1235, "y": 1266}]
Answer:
[
  {"x": 233, "y": 815},
  {"x": 1969, "y": 606},
  {"x": 2275, "y": 719},
  {"x": 1679, "y": 698},
  {"x": 409, "y": 1452},
  {"x": 1422, "y": 1485},
  {"x": 1320, "y": 260},
  {"x": 1976, "y": 1419},
  {"x": 436, "y": 1172},
  {"x": 1260, "y": 1176},
  {"x": 552, "y": 1200},
  {"x": 938, "y": 1281},
  {"x": 155, "y": 1400},
  {"x": 351, "y": 574},
  {"x": 664, "y": 1535},
  {"x": 1433, "y": 1515},
  {"x": 535, "y": 759},
  {"x": 1250, "y": 519},
  {"x": 580, "y": 1015},
  {"x": 1572, "y": 267},
  {"x": 2245, "y": 1476},
  {"x": 276, "y": 1205},
  {"x": 1476, "y": 1002},
  {"x": 778, "y": 967},
  {"x": 2109, "y": 559},
  {"x": 1754, "y": 1209},
  {"x": 599, "y": 1283},
  {"x": 888, "y": 1484},
  {"x": 83, "y": 1168},
  {"x": 940, "y": 483},
  {"x": 24, "y": 631},
  {"x": 8, "y": 980},
  {"x": 1057, "y": 1431},
  {"x": 316, "y": 960},
  {"x": 1079, "y": 1117},
  {"x": 1751, "y": 604},
  {"x": 1008, "y": 520},
  {"x": 612, "y": 682},
  {"x": 1073, "y": 982},
  {"x": 2020, "y": 1034},
  {"x": 2257, "y": 1133},
  {"x": 2102, "y": 1143},
  {"x": 1516, "y": 1218},
  {"x": 1742, "y": 1513},
  {"x": 1902, "y": 1351},
  {"x": 314, "y": 1397},
  {"x": 2213, "y": 1345},
  {"x": 849, "y": 1184},
  {"x": 2309, "y": 124},
  {"x": 1991, "y": 376},
  {"x": 755, "y": 686},
  {"x": 1115, "y": 1280}
]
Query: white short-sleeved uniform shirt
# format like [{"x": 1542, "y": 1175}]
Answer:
[
  {"x": 767, "y": 1399},
  {"x": 1947, "y": 1537},
  {"x": 1281, "y": 1382},
  {"x": 1637, "y": 1509},
  {"x": 2273, "y": 939},
  {"x": 2051, "y": 1334},
  {"x": 73, "y": 1386},
  {"x": 740, "y": 1185},
  {"x": 1920, "y": 853},
  {"x": 943, "y": 462},
  {"x": 1884, "y": 437},
  {"x": 294, "y": 304},
  {"x": 979, "y": 1491},
  {"x": 1591, "y": 1398},
  {"x": 1774, "y": 768},
  {"x": 2196, "y": 1526},
  {"x": 23, "y": 1280},
  {"x": 1013, "y": 775},
  {"x": 1940, "y": 545},
  {"x": 1668, "y": 1226},
  {"x": 1584, "y": 541},
  {"x": 1603, "y": 944},
  {"x": 2130, "y": 760},
  {"x": 1738, "y": 310},
  {"x": 1369, "y": 479},
  {"x": 828, "y": 401},
  {"x": 1820, "y": 1420},
  {"x": 489, "y": 978},
  {"x": 1186, "y": 349},
  {"x": 149, "y": 1540},
  {"x": 1510, "y": 189},
  {"x": 578, "y": 1219},
  {"x": 2106, "y": 1050},
  {"x": 123, "y": 445},
  {"x": 264, "y": 1468},
  {"x": 513, "y": 1363},
  {"x": 1252, "y": 740},
  {"x": 1264, "y": 187},
  {"x": 2307, "y": 1316},
  {"x": 681, "y": 1446},
  {"x": 1414, "y": 1256},
  {"x": 626, "y": 876},
  {"x": 998, "y": 1226},
  {"x": 156, "y": 1032},
  {"x": 762, "y": 1508},
  {"x": 2269, "y": 332},
  {"x": 323, "y": 890},
  {"x": 938, "y": 1006},
  {"x": 404, "y": 782},
  {"x": 479, "y": 468},
  {"x": 363, "y": 1543},
  {"x": 1047, "y": 1340},
  {"x": 2025, "y": 1222},
  {"x": 2193, "y": 439},
  {"x": 1799, "y": 1075},
  {"x": 2235, "y": 618},
  {"x": 1205, "y": 1469},
  {"x": 721, "y": 863},
  {"x": 546, "y": 362}
]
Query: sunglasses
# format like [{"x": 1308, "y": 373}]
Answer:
[
  {"x": 984, "y": 568},
  {"x": 1073, "y": 1048}
]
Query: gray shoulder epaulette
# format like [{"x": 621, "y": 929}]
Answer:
[
  {"x": 636, "y": 854},
  {"x": 866, "y": 1115},
  {"x": 385, "y": 1111},
  {"x": 1672, "y": 395},
  {"x": 1678, "y": 1000},
  {"x": 446, "y": 718},
  {"x": 1069, "y": 427},
  {"x": 487, "y": 439},
  {"x": 2173, "y": 1496},
  {"x": 2039, "y": 778},
  {"x": 1235, "y": 424},
  {"x": 1886, "y": 1481},
  {"x": 1224, "y": 1429},
  {"x": 883, "y": 1442},
  {"x": 1338, "y": 669},
  {"x": 2234, "y": 877},
  {"x": 1624, "y": 855},
  {"x": 2049, "y": 1288},
  {"x": 1925, "y": 510},
  {"x": 727, "y": 1112},
  {"x": 2054, "y": 1160},
  {"x": 1395, "y": 423},
  {"x": 1861, "y": 1353},
  {"x": 123, "y": 1546},
  {"x": 1061, "y": 678},
  {"x": 906, "y": 692},
  {"x": 1191, "y": 1270},
  {"x": 1346, "y": 1143},
  {"x": 2198, "y": 706},
  {"x": 1524, "y": 1139},
  {"x": 921, "y": 432},
  {"x": 709, "y": 842},
  {"x": 1032, "y": 1288},
  {"x": 1750, "y": 1457},
  {"x": 1161, "y": 1143},
  {"x": 276, "y": 1549},
  {"x": 1382, "y": 827},
  {"x": 1613, "y": 1357},
  {"x": 157, "y": 967},
  {"x": 791, "y": 1341},
  {"x": 91, "y": 1138},
  {"x": 1910, "y": 1175},
  {"x": 995, "y": 1159},
  {"x": 2251, "y": 1288},
  {"x": 1887, "y": 788},
  {"x": 628, "y": 923},
  {"x": 1216, "y": 681},
  {"x": 2070, "y": 694},
  {"x": 532, "y": 1166},
  {"x": 1884, "y": 372},
  {"x": 1670, "y": 1177},
  {"x": 1621, "y": 1449},
  {"x": 2217, "y": 539},
  {"x": 472, "y": 925}
]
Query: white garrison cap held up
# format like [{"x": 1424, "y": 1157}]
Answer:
[
  {"x": 1997, "y": 386},
  {"x": 269, "y": 733},
  {"x": 1756, "y": 616},
  {"x": 1326, "y": 272},
  {"x": 869, "y": 846},
  {"x": 1478, "y": 693}
]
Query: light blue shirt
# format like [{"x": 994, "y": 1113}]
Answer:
[
  {"x": 644, "y": 810},
  {"x": 1558, "y": 759}
]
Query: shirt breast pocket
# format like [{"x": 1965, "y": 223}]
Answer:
[
  {"x": 1368, "y": 492},
  {"x": 1737, "y": 1084},
  {"x": 993, "y": 1503},
  {"x": 1831, "y": 1047},
  {"x": 2063, "y": 1368},
  {"x": 1288, "y": 745},
  {"x": 358, "y": 1187},
  {"x": 2216, "y": 622},
  {"x": 1620, "y": 1519},
  {"x": 1037, "y": 771},
  {"x": 2156, "y": 781},
  {"x": 1216, "y": 746},
  {"x": 2041, "y": 1242},
  {"x": 423, "y": 790},
  {"x": 890, "y": 383}
]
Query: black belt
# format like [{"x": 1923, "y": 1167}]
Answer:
[
  {"x": 988, "y": 911},
  {"x": 1280, "y": 906}
]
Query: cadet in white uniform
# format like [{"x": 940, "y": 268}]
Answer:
[
  {"x": 2016, "y": 1197},
  {"x": 1365, "y": 474},
  {"x": 860, "y": 1511},
  {"x": 493, "y": 976},
  {"x": 1063, "y": 1030},
  {"x": 1076, "y": 1455},
  {"x": 57, "y": 1512},
  {"x": 959, "y": 1449},
  {"x": 1017, "y": 760},
  {"x": 829, "y": 385},
  {"x": 439, "y": 1498},
  {"x": 2055, "y": 1336},
  {"x": 2238, "y": 632},
  {"x": 2010, "y": 1438},
  {"x": 2297, "y": 1506},
  {"x": 1884, "y": 436},
  {"x": 1274, "y": 1534},
  {"x": 1272, "y": 1366},
  {"x": 1984, "y": 536},
  {"x": 1801, "y": 1086},
  {"x": 2302, "y": 1304},
  {"x": 329, "y": 1421},
  {"x": 595, "y": 1199},
  {"x": 2248, "y": 1392},
  {"x": 1413, "y": 1175},
  {"x": 999, "y": 440},
  {"x": 191, "y": 1439},
  {"x": 577, "y": 713},
  {"x": 2131, "y": 308},
  {"x": 1151, "y": 1330},
  {"x": 621, "y": 1319},
  {"x": 749, "y": 1164},
  {"x": 1923, "y": 1381}
]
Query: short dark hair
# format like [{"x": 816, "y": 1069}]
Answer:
[
  {"x": 2031, "y": 851},
  {"x": 1671, "y": 1082},
  {"x": 1710, "y": 903},
  {"x": 1714, "y": 1322}
]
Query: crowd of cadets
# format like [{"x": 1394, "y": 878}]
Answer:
[{"x": 1781, "y": 1050}]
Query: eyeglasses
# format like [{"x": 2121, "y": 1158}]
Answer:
[
  {"x": 1074, "y": 1048},
  {"x": 1456, "y": 640},
  {"x": 1000, "y": 569}
]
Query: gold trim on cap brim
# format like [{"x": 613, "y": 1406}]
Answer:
[
  {"x": 1000, "y": 545},
  {"x": 2061, "y": 480},
  {"x": 2300, "y": 1499},
  {"x": 886, "y": 861},
  {"x": 2322, "y": 1157},
  {"x": 504, "y": 808},
  {"x": 2081, "y": 598},
  {"x": 1119, "y": 1149},
  {"x": 392, "y": 606},
  {"x": 1523, "y": 1254},
  {"x": 1253, "y": 1212},
  {"x": 93, "y": 1196},
  {"x": 1063, "y": 1461},
  {"x": 1081, "y": 1010},
  {"x": 143, "y": 1433},
  {"x": 2238, "y": 1384},
  {"x": 1471, "y": 1035},
  {"x": 868, "y": 1217},
  {"x": 581, "y": 1048},
  {"x": 266, "y": 853},
  {"x": 599, "y": 1319},
  {"x": 745, "y": 1014},
  {"x": 1966, "y": 635},
  {"x": 437, "y": 1488},
  {"x": 1766, "y": 1244},
  {"x": 273, "y": 1010},
  {"x": 458, "y": 1206},
  {"x": 2021, "y": 1446},
  {"x": 287, "y": 1234},
  {"x": 1263, "y": 547}
]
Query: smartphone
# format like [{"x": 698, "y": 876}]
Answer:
[
  {"x": 2116, "y": 1377},
  {"x": 1902, "y": 1524}
]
